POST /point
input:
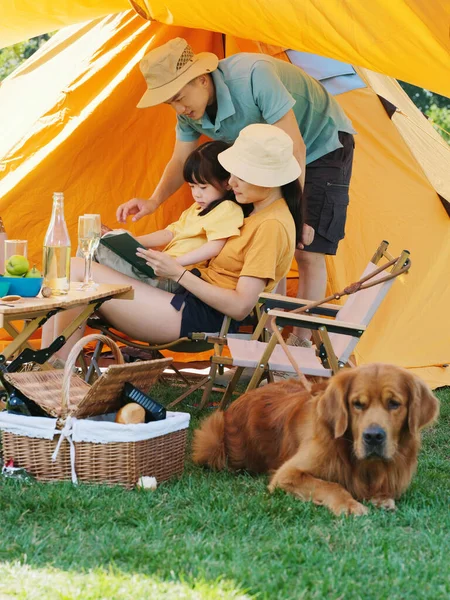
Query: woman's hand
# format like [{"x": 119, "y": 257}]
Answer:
[{"x": 163, "y": 264}]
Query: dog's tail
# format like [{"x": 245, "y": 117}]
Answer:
[{"x": 208, "y": 447}]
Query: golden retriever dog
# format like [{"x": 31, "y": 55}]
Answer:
[{"x": 353, "y": 438}]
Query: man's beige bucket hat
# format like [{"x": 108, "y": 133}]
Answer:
[{"x": 170, "y": 67}]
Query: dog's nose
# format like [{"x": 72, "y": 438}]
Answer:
[{"x": 374, "y": 435}]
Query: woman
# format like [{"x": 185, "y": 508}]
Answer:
[{"x": 264, "y": 173}]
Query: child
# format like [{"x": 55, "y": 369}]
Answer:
[{"x": 202, "y": 230}]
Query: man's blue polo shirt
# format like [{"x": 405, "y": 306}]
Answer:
[{"x": 255, "y": 88}]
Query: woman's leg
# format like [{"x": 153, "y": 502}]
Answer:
[{"x": 149, "y": 317}]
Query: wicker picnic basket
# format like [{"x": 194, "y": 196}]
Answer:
[{"x": 159, "y": 451}]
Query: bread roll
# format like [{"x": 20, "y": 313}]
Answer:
[{"x": 131, "y": 413}]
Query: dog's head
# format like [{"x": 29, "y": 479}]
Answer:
[{"x": 373, "y": 404}]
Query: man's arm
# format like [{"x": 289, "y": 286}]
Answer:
[
  {"x": 289, "y": 124},
  {"x": 276, "y": 103},
  {"x": 170, "y": 182},
  {"x": 172, "y": 178}
]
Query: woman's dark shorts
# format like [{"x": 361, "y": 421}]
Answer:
[
  {"x": 198, "y": 316},
  {"x": 327, "y": 182}
]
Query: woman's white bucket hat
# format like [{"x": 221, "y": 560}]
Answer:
[{"x": 262, "y": 155}]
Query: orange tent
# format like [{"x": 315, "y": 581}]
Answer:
[
  {"x": 73, "y": 126},
  {"x": 406, "y": 39}
]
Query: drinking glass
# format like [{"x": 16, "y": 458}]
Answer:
[
  {"x": 97, "y": 228},
  {"x": 13, "y": 247},
  {"x": 89, "y": 230}
]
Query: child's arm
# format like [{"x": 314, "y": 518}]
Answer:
[
  {"x": 155, "y": 239},
  {"x": 205, "y": 252}
]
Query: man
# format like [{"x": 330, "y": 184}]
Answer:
[{"x": 218, "y": 99}]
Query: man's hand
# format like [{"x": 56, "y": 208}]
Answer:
[
  {"x": 138, "y": 207},
  {"x": 307, "y": 236}
]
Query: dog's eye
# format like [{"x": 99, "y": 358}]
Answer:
[
  {"x": 393, "y": 404},
  {"x": 358, "y": 404}
]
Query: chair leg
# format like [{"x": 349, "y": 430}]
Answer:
[
  {"x": 179, "y": 374},
  {"x": 192, "y": 389},
  {"x": 230, "y": 388},
  {"x": 256, "y": 378},
  {"x": 209, "y": 386}
]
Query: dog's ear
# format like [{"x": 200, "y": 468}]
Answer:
[
  {"x": 332, "y": 406},
  {"x": 423, "y": 405}
]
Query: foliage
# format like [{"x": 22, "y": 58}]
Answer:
[
  {"x": 222, "y": 535},
  {"x": 13, "y": 56},
  {"x": 435, "y": 107},
  {"x": 424, "y": 99},
  {"x": 440, "y": 117}
]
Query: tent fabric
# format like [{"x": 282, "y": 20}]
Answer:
[
  {"x": 23, "y": 19},
  {"x": 73, "y": 126},
  {"x": 406, "y": 39},
  {"x": 428, "y": 147}
]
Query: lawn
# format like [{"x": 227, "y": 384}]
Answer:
[{"x": 210, "y": 535}]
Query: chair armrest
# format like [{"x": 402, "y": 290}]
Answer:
[
  {"x": 310, "y": 322},
  {"x": 274, "y": 301}
]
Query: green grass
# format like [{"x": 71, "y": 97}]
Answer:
[{"x": 219, "y": 535}]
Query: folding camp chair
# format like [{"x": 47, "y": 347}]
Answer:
[
  {"x": 194, "y": 343},
  {"x": 336, "y": 329}
]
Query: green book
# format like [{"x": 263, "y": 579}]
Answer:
[{"x": 125, "y": 246}]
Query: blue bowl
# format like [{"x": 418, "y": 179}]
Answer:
[
  {"x": 4, "y": 288},
  {"x": 28, "y": 287}
]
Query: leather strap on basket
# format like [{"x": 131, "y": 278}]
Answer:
[
  {"x": 350, "y": 289},
  {"x": 71, "y": 360}
]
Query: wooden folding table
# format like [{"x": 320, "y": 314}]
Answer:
[{"x": 36, "y": 311}]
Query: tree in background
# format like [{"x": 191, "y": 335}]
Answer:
[
  {"x": 13, "y": 56},
  {"x": 435, "y": 107}
]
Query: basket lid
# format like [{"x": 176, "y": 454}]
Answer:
[
  {"x": 44, "y": 388},
  {"x": 104, "y": 395},
  {"x": 84, "y": 400}
]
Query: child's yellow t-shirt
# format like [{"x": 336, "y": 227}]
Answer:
[{"x": 192, "y": 230}]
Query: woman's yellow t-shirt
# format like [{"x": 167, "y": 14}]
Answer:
[{"x": 264, "y": 249}]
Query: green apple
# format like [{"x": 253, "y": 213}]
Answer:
[
  {"x": 33, "y": 272},
  {"x": 17, "y": 265}
]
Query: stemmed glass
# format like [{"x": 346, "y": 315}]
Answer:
[{"x": 89, "y": 232}]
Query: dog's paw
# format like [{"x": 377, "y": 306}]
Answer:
[
  {"x": 350, "y": 507},
  {"x": 271, "y": 487},
  {"x": 385, "y": 503}
]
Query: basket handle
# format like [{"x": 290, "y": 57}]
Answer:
[{"x": 71, "y": 360}]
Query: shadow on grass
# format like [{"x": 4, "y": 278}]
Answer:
[{"x": 221, "y": 535}]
